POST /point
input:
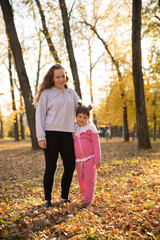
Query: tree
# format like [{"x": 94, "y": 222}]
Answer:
[
  {"x": 91, "y": 66},
  {"x": 20, "y": 68},
  {"x": 1, "y": 121},
  {"x": 89, "y": 37},
  {"x": 151, "y": 20},
  {"x": 120, "y": 77},
  {"x": 107, "y": 21},
  {"x": 68, "y": 40},
  {"x": 141, "y": 115},
  {"x": 152, "y": 93},
  {"x": 21, "y": 113},
  {"x": 51, "y": 46},
  {"x": 150, "y": 31},
  {"x": 15, "y": 118},
  {"x": 110, "y": 109},
  {"x": 39, "y": 62}
]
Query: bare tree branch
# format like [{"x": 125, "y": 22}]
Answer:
[
  {"x": 93, "y": 28},
  {"x": 157, "y": 17},
  {"x": 98, "y": 60},
  {"x": 69, "y": 15}
]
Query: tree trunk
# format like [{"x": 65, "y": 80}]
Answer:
[
  {"x": 15, "y": 119},
  {"x": 116, "y": 131},
  {"x": 21, "y": 112},
  {"x": 68, "y": 39},
  {"x": 125, "y": 124},
  {"x": 46, "y": 33},
  {"x": 38, "y": 65},
  {"x": 1, "y": 124},
  {"x": 133, "y": 133},
  {"x": 21, "y": 118},
  {"x": 155, "y": 127},
  {"x": 20, "y": 67},
  {"x": 1, "y": 127},
  {"x": 141, "y": 115},
  {"x": 91, "y": 83}
]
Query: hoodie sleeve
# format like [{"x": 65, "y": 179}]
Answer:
[
  {"x": 41, "y": 110},
  {"x": 96, "y": 144},
  {"x": 76, "y": 100}
]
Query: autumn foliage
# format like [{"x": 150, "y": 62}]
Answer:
[{"x": 127, "y": 199}]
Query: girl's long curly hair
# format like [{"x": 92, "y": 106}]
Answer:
[{"x": 48, "y": 81}]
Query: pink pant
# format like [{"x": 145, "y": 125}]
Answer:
[{"x": 86, "y": 173}]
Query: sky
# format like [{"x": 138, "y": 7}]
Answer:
[{"x": 101, "y": 78}]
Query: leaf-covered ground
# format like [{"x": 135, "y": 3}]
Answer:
[{"x": 126, "y": 205}]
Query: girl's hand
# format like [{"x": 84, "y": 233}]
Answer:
[
  {"x": 97, "y": 164},
  {"x": 43, "y": 144}
]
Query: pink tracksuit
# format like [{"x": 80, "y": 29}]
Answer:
[{"x": 87, "y": 151}]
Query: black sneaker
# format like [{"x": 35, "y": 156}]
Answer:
[
  {"x": 48, "y": 204},
  {"x": 66, "y": 200}
]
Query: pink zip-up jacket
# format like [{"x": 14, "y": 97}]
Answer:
[{"x": 86, "y": 142}]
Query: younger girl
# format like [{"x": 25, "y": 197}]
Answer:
[{"x": 87, "y": 151}]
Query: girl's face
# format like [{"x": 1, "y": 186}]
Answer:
[
  {"x": 59, "y": 78},
  {"x": 82, "y": 119}
]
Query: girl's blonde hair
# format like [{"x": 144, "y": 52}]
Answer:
[{"x": 48, "y": 81}]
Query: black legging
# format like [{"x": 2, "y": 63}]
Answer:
[{"x": 59, "y": 142}]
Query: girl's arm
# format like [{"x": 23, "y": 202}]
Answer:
[
  {"x": 96, "y": 146},
  {"x": 41, "y": 116}
]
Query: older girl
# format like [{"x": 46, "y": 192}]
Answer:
[{"x": 56, "y": 106}]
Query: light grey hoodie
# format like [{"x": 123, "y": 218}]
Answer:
[{"x": 56, "y": 111}]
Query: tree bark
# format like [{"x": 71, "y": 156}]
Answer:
[
  {"x": 21, "y": 112},
  {"x": 133, "y": 133},
  {"x": 68, "y": 40},
  {"x": 155, "y": 127},
  {"x": 46, "y": 33},
  {"x": 1, "y": 124},
  {"x": 141, "y": 115},
  {"x": 15, "y": 119},
  {"x": 21, "y": 117},
  {"x": 1, "y": 127},
  {"x": 38, "y": 65},
  {"x": 125, "y": 124},
  {"x": 91, "y": 83},
  {"x": 20, "y": 67}
]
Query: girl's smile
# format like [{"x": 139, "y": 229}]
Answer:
[
  {"x": 82, "y": 119},
  {"x": 59, "y": 79}
]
